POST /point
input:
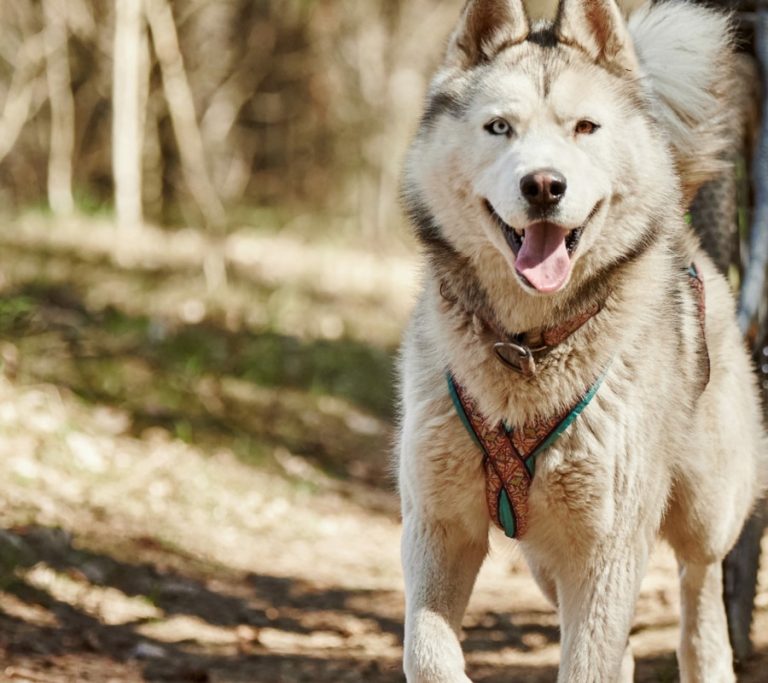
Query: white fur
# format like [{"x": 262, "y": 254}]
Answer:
[
  {"x": 685, "y": 81},
  {"x": 681, "y": 77},
  {"x": 651, "y": 454}
]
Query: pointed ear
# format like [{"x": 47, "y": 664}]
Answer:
[
  {"x": 486, "y": 27},
  {"x": 599, "y": 29}
]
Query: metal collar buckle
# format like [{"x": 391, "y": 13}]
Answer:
[{"x": 517, "y": 357}]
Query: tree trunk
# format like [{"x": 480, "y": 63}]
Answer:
[
  {"x": 62, "y": 145},
  {"x": 182, "y": 109},
  {"x": 127, "y": 115}
]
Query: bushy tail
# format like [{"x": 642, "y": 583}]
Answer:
[{"x": 686, "y": 53}]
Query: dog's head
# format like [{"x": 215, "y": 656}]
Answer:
[{"x": 558, "y": 145}]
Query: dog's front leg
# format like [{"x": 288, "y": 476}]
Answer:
[
  {"x": 440, "y": 563},
  {"x": 445, "y": 531},
  {"x": 704, "y": 653},
  {"x": 597, "y": 601}
]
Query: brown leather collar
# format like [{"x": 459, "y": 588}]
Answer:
[{"x": 523, "y": 351}]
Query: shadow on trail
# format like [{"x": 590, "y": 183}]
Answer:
[
  {"x": 259, "y": 603},
  {"x": 507, "y": 629},
  {"x": 329, "y": 401},
  {"x": 256, "y": 602},
  {"x": 262, "y": 601}
]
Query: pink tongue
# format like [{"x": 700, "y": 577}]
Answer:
[{"x": 543, "y": 258}]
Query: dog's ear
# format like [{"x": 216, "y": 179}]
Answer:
[
  {"x": 597, "y": 27},
  {"x": 486, "y": 27}
]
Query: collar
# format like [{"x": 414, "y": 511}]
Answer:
[{"x": 523, "y": 351}]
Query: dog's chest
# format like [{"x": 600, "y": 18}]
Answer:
[
  {"x": 583, "y": 482},
  {"x": 572, "y": 489}
]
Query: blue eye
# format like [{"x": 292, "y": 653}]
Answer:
[{"x": 499, "y": 127}]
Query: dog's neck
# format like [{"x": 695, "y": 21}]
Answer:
[
  {"x": 464, "y": 347},
  {"x": 521, "y": 330},
  {"x": 519, "y": 350},
  {"x": 497, "y": 302}
]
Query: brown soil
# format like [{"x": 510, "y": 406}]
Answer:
[
  {"x": 144, "y": 537},
  {"x": 321, "y": 602}
]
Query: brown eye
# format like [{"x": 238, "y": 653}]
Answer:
[{"x": 585, "y": 127}]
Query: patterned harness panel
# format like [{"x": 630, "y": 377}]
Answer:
[{"x": 510, "y": 454}]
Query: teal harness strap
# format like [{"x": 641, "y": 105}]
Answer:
[
  {"x": 569, "y": 419},
  {"x": 459, "y": 407}
]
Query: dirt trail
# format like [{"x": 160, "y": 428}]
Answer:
[
  {"x": 193, "y": 494},
  {"x": 311, "y": 592}
]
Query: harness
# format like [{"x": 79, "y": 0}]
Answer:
[{"x": 509, "y": 454}]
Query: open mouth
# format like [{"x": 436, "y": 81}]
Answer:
[
  {"x": 515, "y": 236},
  {"x": 543, "y": 250}
]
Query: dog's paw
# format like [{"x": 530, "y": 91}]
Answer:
[
  {"x": 435, "y": 677},
  {"x": 432, "y": 652},
  {"x": 433, "y": 671}
]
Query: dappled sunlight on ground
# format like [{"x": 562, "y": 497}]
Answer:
[
  {"x": 133, "y": 324},
  {"x": 195, "y": 475},
  {"x": 242, "y": 279}
]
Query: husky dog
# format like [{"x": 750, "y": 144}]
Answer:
[{"x": 548, "y": 184}]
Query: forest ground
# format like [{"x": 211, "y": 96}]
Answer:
[{"x": 195, "y": 474}]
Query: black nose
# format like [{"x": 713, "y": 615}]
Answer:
[{"x": 544, "y": 188}]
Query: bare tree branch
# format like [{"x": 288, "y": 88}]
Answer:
[
  {"x": 16, "y": 108},
  {"x": 80, "y": 19}
]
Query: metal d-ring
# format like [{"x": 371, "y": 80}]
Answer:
[{"x": 522, "y": 361}]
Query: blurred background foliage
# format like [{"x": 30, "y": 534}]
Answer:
[
  {"x": 201, "y": 189},
  {"x": 304, "y": 106},
  {"x": 204, "y": 275}
]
